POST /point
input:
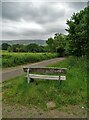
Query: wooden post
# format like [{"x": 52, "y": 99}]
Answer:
[{"x": 28, "y": 77}]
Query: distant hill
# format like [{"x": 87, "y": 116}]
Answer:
[{"x": 24, "y": 42}]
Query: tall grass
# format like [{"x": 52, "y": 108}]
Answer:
[
  {"x": 14, "y": 59},
  {"x": 73, "y": 91}
]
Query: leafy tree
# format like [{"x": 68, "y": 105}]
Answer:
[
  {"x": 41, "y": 49},
  {"x": 26, "y": 48},
  {"x": 33, "y": 47},
  {"x": 77, "y": 29},
  {"x": 57, "y": 43},
  {"x": 50, "y": 44},
  {"x": 5, "y": 46},
  {"x": 61, "y": 50},
  {"x": 17, "y": 48}
]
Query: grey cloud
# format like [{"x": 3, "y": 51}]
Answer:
[
  {"x": 15, "y": 10},
  {"x": 50, "y": 17},
  {"x": 77, "y": 5},
  {"x": 28, "y": 11},
  {"x": 10, "y": 10},
  {"x": 10, "y": 33}
]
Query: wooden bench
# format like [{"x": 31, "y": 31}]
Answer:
[{"x": 43, "y": 73}]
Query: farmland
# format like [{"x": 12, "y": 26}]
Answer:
[{"x": 10, "y": 59}]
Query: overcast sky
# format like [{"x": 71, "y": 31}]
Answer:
[{"x": 36, "y": 20}]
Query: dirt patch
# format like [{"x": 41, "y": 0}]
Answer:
[
  {"x": 51, "y": 105},
  {"x": 25, "y": 112},
  {"x": 76, "y": 110}
]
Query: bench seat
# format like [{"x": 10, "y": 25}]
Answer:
[{"x": 46, "y": 77}]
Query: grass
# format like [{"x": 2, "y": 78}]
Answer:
[
  {"x": 73, "y": 91},
  {"x": 10, "y": 59}
]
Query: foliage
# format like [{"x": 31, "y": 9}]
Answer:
[
  {"x": 73, "y": 91},
  {"x": 77, "y": 29},
  {"x": 17, "y": 48},
  {"x": 5, "y": 46},
  {"x": 33, "y": 47},
  {"x": 50, "y": 43},
  {"x": 61, "y": 50},
  {"x": 13, "y": 59},
  {"x": 57, "y": 44}
]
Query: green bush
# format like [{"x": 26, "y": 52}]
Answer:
[{"x": 14, "y": 59}]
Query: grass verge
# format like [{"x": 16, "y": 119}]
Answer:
[{"x": 73, "y": 91}]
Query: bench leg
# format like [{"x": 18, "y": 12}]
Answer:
[
  {"x": 28, "y": 80},
  {"x": 60, "y": 81},
  {"x": 28, "y": 77}
]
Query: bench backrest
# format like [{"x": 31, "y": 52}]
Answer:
[{"x": 46, "y": 70}]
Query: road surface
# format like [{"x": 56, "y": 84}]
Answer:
[{"x": 17, "y": 71}]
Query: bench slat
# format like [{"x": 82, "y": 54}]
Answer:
[
  {"x": 46, "y": 70},
  {"x": 46, "y": 77}
]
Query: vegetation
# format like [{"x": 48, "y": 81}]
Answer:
[
  {"x": 76, "y": 42},
  {"x": 5, "y": 46},
  {"x": 73, "y": 91},
  {"x": 33, "y": 47},
  {"x": 14, "y": 59},
  {"x": 78, "y": 32},
  {"x": 57, "y": 44}
]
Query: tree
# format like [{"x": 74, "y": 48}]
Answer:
[
  {"x": 17, "y": 48},
  {"x": 59, "y": 41},
  {"x": 56, "y": 43},
  {"x": 61, "y": 51},
  {"x": 26, "y": 48},
  {"x": 77, "y": 29},
  {"x": 5, "y": 46},
  {"x": 33, "y": 47},
  {"x": 50, "y": 43}
]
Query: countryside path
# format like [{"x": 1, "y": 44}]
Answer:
[{"x": 17, "y": 71}]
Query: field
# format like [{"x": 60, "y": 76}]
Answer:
[
  {"x": 14, "y": 59},
  {"x": 73, "y": 91}
]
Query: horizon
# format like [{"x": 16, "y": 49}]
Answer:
[{"x": 24, "y": 39}]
